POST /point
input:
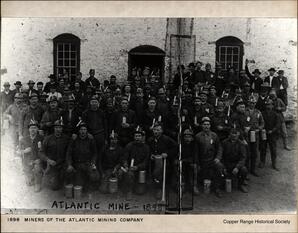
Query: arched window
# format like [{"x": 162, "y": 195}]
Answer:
[
  {"x": 66, "y": 55},
  {"x": 146, "y": 55},
  {"x": 229, "y": 52}
]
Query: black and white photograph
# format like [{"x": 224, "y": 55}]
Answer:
[{"x": 148, "y": 115}]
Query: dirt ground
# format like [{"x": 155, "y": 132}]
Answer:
[{"x": 271, "y": 193}]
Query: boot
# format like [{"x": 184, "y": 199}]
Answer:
[{"x": 285, "y": 142}]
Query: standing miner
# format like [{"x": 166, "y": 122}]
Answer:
[{"x": 210, "y": 154}]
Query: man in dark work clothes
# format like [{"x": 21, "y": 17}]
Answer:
[
  {"x": 95, "y": 120},
  {"x": 210, "y": 155},
  {"x": 189, "y": 156},
  {"x": 161, "y": 147},
  {"x": 54, "y": 151},
  {"x": 92, "y": 81},
  {"x": 81, "y": 158},
  {"x": 233, "y": 158},
  {"x": 135, "y": 159}
]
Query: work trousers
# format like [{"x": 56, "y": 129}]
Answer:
[{"x": 271, "y": 140}]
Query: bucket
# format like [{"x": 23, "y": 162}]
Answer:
[
  {"x": 228, "y": 185},
  {"x": 207, "y": 185},
  {"x": 252, "y": 136},
  {"x": 113, "y": 185},
  {"x": 142, "y": 177},
  {"x": 68, "y": 191},
  {"x": 77, "y": 191},
  {"x": 264, "y": 134}
]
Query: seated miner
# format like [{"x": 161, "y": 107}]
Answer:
[
  {"x": 81, "y": 158},
  {"x": 50, "y": 116},
  {"x": 210, "y": 154},
  {"x": 189, "y": 157},
  {"x": 110, "y": 157},
  {"x": 30, "y": 147},
  {"x": 162, "y": 148},
  {"x": 233, "y": 158},
  {"x": 135, "y": 159},
  {"x": 54, "y": 152}
]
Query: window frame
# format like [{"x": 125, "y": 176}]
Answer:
[
  {"x": 230, "y": 42},
  {"x": 66, "y": 38}
]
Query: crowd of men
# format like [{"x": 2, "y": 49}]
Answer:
[{"x": 85, "y": 132}]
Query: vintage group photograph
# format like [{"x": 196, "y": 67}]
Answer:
[{"x": 148, "y": 115}]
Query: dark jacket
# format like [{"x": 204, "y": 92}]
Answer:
[{"x": 234, "y": 154}]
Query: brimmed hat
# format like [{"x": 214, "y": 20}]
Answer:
[
  {"x": 53, "y": 99},
  {"x": 6, "y": 84},
  {"x": 280, "y": 72},
  {"x": 191, "y": 64},
  {"x": 18, "y": 96},
  {"x": 31, "y": 82},
  {"x": 32, "y": 123},
  {"x": 39, "y": 83},
  {"x": 256, "y": 71},
  {"x": 33, "y": 95},
  {"x": 18, "y": 83},
  {"x": 52, "y": 76},
  {"x": 139, "y": 130},
  {"x": 58, "y": 122},
  {"x": 81, "y": 124},
  {"x": 188, "y": 132},
  {"x": 272, "y": 69},
  {"x": 204, "y": 119},
  {"x": 69, "y": 99}
]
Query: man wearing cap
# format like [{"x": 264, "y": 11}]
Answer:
[
  {"x": 221, "y": 121},
  {"x": 135, "y": 159},
  {"x": 110, "y": 160},
  {"x": 210, "y": 155},
  {"x": 243, "y": 78},
  {"x": 161, "y": 147},
  {"x": 263, "y": 97},
  {"x": 33, "y": 111},
  {"x": 39, "y": 86},
  {"x": 139, "y": 105},
  {"x": 151, "y": 115},
  {"x": 123, "y": 122},
  {"x": 54, "y": 93},
  {"x": 94, "y": 118},
  {"x": 162, "y": 103},
  {"x": 81, "y": 158},
  {"x": 50, "y": 116},
  {"x": 255, "y": 122},
  {"x": 13, "y": 114},
  {"x": 246, "y": 93},
  {"x": 209, "y": 75},
  {"x": 280, "y": 83},
  {"x": 18, "y": 87},
  {"x": 279, "y": 107},
  {"x": 70, "y": 116},
  {"x": 189, "y": 157},
  {"x": 31, "y": 89},
  {"x": 272, "y": 126},
  {"x": 233, "y": 157},
  {"x": 92, "y": 81},
  {"x": 255, "y": 79},
  {"x": 6, "y": 97},
  {"x": 54, "y": 154},
  {"x": 52, "y": 83},
  {"x": 269, "y": 79},
  {"x": 81, "y": 83},
  {"x": 199, "y": 74},
  {"x": 220, "y": 81},
  {"x": 30, "y": 149},
  {"x": 205, "y": 108}
]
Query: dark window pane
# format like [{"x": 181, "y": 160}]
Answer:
[
  {"x": 66, "y": 62},
  {"x": 229, "y": 58},
  {"x": 222, "y": 49},
  {"x": 235, "y": 58},
  {"x": 60, "y": 62},
  {"x": 66, "y": 54},
  {"x": 66, "y": 47},
  {"x": 73, "y": 55},
  {"x": 60, "y": 46},
  {"x": 73, "y": 47},
  {"x": 60, "y": 55},
  {"x": 229, "y": 50},
  {"x": 235, "y": 50},
  {"x": 222, "y": 57},
  {"x": 73, "y": 62}
]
